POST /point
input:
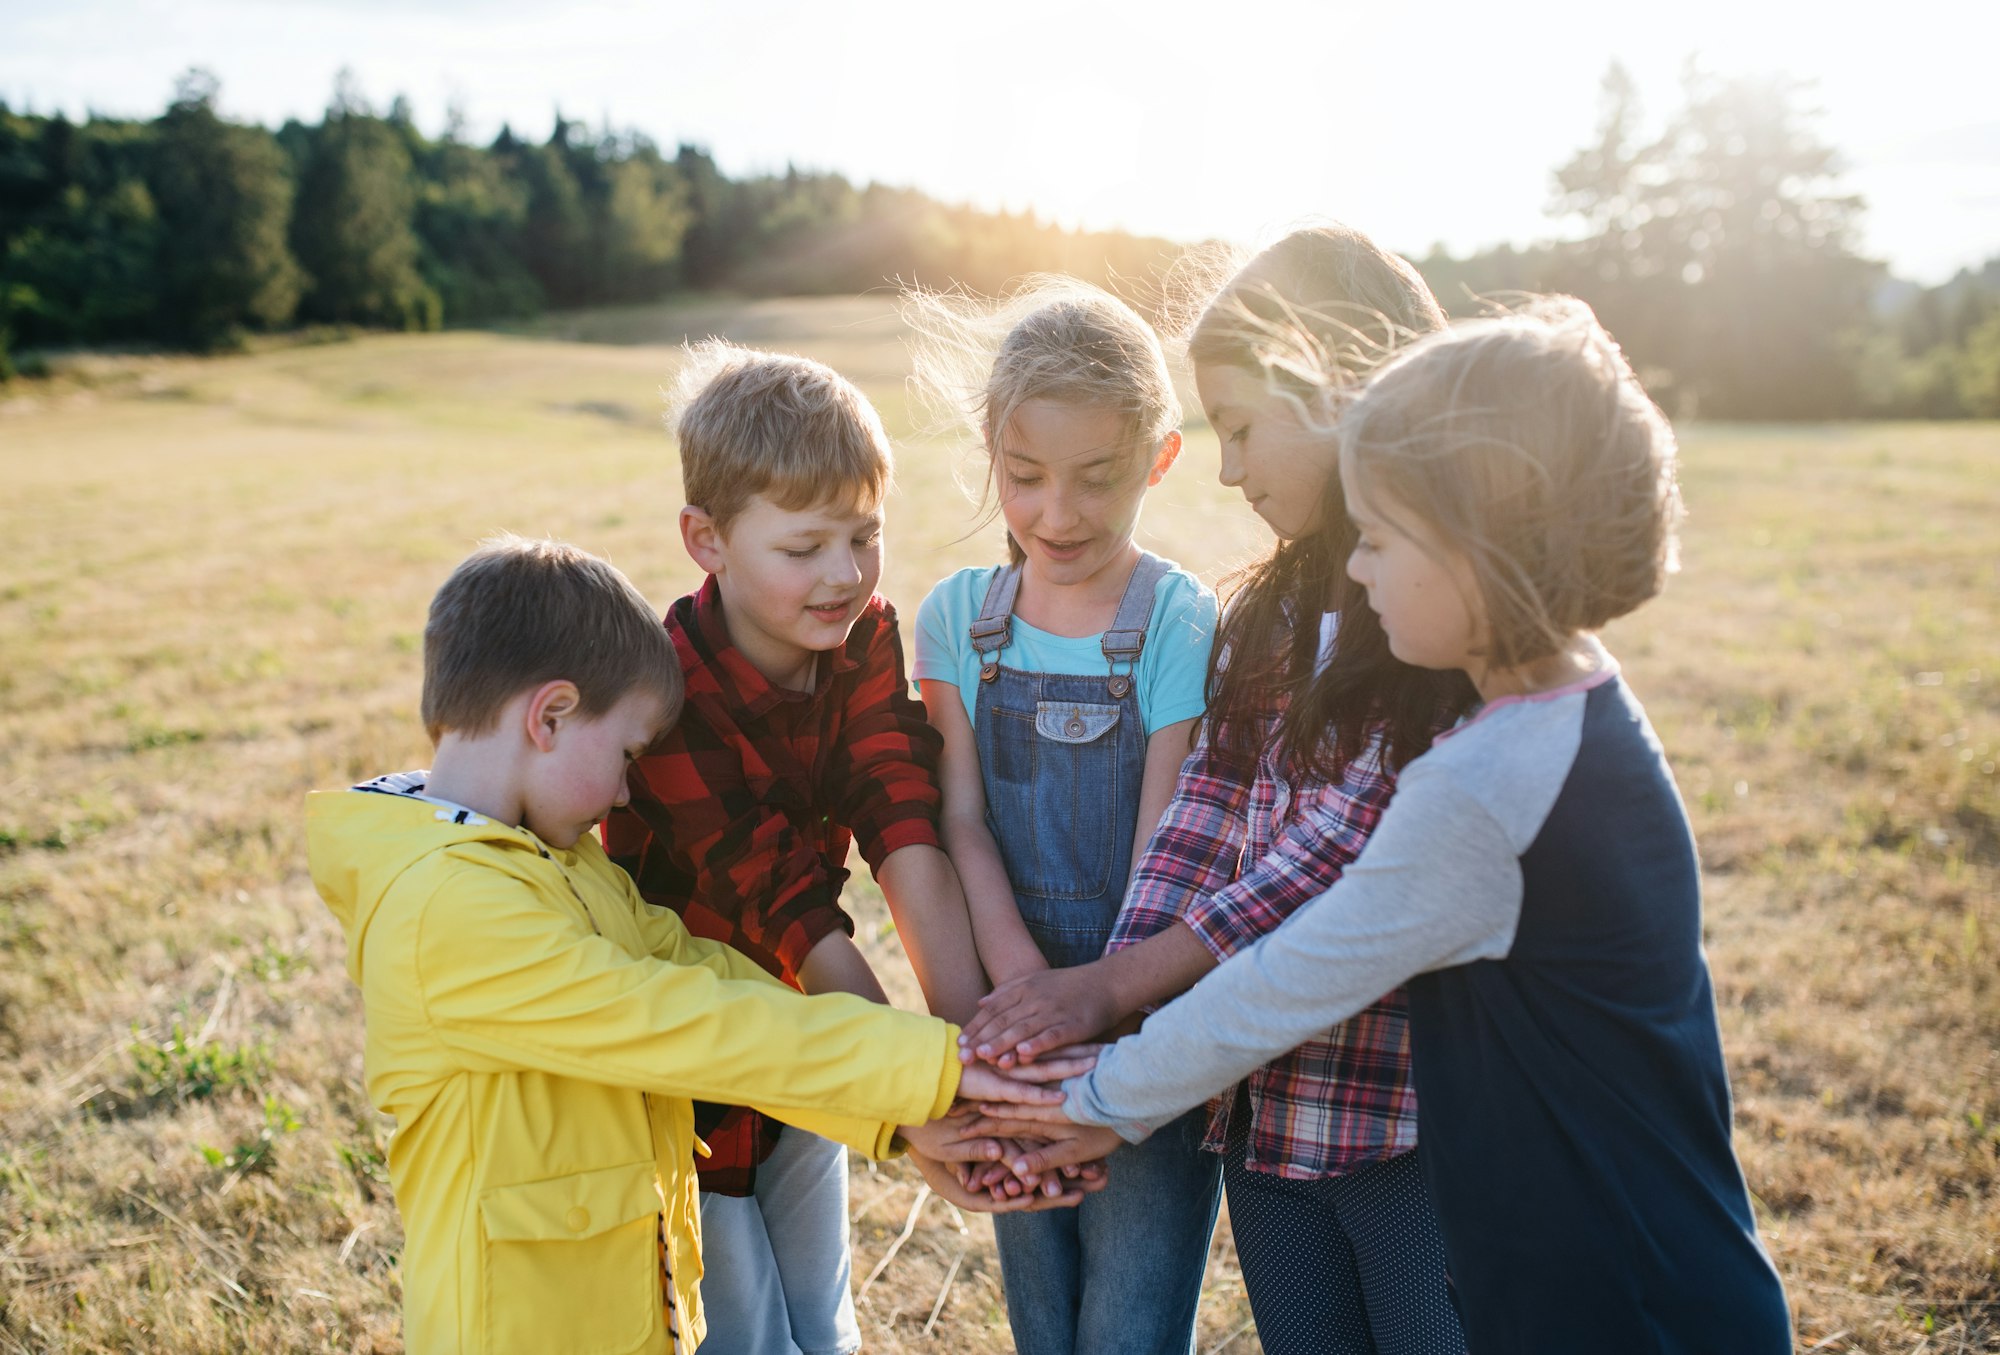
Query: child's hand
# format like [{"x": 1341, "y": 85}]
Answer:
[
  {"x": 1067, "y": 1150},
  {"x": 1058, "y": 1065},
  {"x": 953, "y": 1139},
  {"x": 1029, "y": 1016},
  {"x": 977, "y": 1082},
  {"x": 1066, "y": 1194}
]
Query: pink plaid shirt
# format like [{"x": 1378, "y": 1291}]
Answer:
[{"x": 1232, "y": 862}]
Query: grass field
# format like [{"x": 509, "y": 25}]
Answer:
[{"x": 212, "y": 601}]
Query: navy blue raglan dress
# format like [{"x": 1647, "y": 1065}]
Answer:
[{"x": 1534, "y": 883}]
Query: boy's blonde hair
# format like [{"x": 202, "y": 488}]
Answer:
[
  {"x": 1525, "y": 445},
  {"x": 775, "y": 424},
  {"x": 517, "y": 613},
  {"x": 1054, "y": 338}
]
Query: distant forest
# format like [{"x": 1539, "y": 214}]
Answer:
[{"x": 1719, "y": 246}]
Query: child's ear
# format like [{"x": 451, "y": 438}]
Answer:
[
  {"x": 550, "y": 707},
  {"x": 1170, "y": 450},
  {"x": 702, "y": 538}
]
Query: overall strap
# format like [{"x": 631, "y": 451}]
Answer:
[
  {"x": 1126, "y": 638},
  {"x": 991, "y": 630}
]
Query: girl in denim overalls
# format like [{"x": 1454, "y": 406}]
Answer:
[{"x": 1066, "y": 684}]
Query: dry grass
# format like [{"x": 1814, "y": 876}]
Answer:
[{"x": 211, "y": 603}]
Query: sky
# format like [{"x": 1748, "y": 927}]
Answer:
[{"x": 1438, "y": 123}]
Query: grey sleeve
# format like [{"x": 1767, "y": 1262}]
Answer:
[{"x": 1439, "y": 884}]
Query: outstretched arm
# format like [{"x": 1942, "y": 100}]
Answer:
[{"x": 1439, "y": 884}]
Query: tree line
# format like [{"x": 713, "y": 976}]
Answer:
[
  {"x": 193, "y": 231},
  {"x": 1719, "y": 246}
]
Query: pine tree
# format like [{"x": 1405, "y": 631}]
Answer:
[
  {"x": 353, "y": 230},
  {"x": 224, "y": 201}
]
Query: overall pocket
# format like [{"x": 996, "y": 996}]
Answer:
[
  {"x": 1057, "y": 821},
  {"x": 572, "y": 1263}
]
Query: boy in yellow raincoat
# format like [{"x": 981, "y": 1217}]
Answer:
[{"x": 538, "y": 1031}]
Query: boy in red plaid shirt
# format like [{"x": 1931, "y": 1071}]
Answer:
[{"x": 799, "y": 738}]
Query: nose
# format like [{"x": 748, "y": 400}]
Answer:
[
  {"x": 624, "y": 796},
  {"x": 1357, "y": 567},
  {"x": 1059, "y": 510},
  {"x": 842, "y": 569},
  {"x": 1230, "y": 472}
]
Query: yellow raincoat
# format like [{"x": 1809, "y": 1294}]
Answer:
[{"x": 537, "y": 1030}]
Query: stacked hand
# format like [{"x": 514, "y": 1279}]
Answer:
[
  {"x": 1007, "y": 1145},
  {"x": 1008, "y": 1142},
  {"x": 1038, "y": 1014}
]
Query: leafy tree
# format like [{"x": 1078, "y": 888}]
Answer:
[
  {"x": 556, "y": 236},
  {"x": 640, "y": 226},
  {"x": 1722, "y": 252},
  {"x": 224, "y": 201},
  {"x": 79, "y": 231},
  {"x": 1979, "y": 370},
  {"x": 469, "y": 219},
  {"x": 353, "y": 228}
]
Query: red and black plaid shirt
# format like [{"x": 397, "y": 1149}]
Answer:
[{"x": 741, "y": 817}]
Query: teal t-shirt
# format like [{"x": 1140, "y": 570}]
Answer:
[{"x": 1173, "y": 667}]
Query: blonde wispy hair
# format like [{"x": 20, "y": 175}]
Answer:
[
  {"x": 976, "y": 361},
  {"x": 785, "y": 427},
  {"x": 1523, "y": 444}
]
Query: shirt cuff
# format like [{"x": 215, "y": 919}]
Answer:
[
  {"x": 1080, "y": 1107},
  {"x": 808, "y": 930},
  {"x": 1218, "y": 929},
  {"x": 916, "y": 830}
]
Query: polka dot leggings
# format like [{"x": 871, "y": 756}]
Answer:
[{"x": 1344, "y": 1265}]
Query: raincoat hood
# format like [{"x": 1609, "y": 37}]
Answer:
[{"x": 360, "y": 841}]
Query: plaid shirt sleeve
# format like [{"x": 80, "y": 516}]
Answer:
[
  {"x": 883, "y": 764},
  {"x": 1194, "y": 851},
  {"x": 1323, "y": 833},
  {"x": 700, "y": 838}
]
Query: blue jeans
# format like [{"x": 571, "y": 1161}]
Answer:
[
  {"x": 1061, "y": 759},
  {"x": 775, "y": 1264},
  {"x": 1121, "y": 1273}
]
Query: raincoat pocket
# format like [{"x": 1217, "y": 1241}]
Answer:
[{"x": 572, "y": 1262}]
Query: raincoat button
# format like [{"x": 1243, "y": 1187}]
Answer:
[{"x": 577, "y": 1219}]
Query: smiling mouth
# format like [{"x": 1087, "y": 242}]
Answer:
[
  {"x": 1063, "y": 547},
  {"x": 829, "y": 610}
]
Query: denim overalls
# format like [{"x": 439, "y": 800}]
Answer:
[{"x": 1061, "y": 757}]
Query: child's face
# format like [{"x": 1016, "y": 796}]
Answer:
[
  {"x": 1280, "y": 465},
  {"x": 1071, "y": 485},
  {"x": 794, "y": 581},
  {"x": 581, "y": 778},
  {"x": 1423, "y": 594}
]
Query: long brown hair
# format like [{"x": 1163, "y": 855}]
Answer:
[{"x": 1313, "y": 314}]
